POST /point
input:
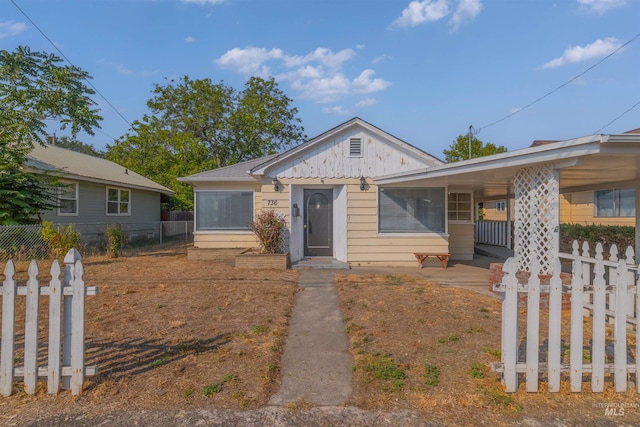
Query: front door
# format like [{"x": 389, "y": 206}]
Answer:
[{"x": 318, "y": 221}]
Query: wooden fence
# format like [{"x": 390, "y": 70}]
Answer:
[
  {"x": 601, "y": 290},
  {"x": 493, "y": 233},
  {"x": 65, "y": 351}
]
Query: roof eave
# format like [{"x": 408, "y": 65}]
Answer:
[
  {"x": 542, "y": 154},
  {"x": 217, "y": 179}
]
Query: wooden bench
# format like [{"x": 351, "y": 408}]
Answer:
[{"x": 422, "y": 256}]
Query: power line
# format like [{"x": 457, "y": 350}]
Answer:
[
  {"x": 69, "y": 61},
  {"x": 563, "y": 85},
  {"x": 620, "y": 116}
]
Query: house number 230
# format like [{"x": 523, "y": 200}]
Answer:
[{"x": 272, "y": 202}]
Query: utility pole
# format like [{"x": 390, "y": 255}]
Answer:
[{"x": 470, "y": 136}]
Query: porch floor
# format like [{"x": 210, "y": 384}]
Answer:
[{"x": 492, "y": 251}]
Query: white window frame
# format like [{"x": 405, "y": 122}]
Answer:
[
  {"x": 60, "y": 198},
  {"x": 471, "y": 204},
  {"x": 223, "y": 231},
  {"x": 615, "y": 207},
  {"x": 361, "y": 144},
  {"x": 501, "y": 206},
  {"x": 414, "y": 233},
  {"x": 120, "y": 190}
]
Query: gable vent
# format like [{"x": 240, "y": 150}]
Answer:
[{"x": 355, "y": 147}]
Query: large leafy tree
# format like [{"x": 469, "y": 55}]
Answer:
[
  {"x": 459, "y": 149},
  {"x": 36, "y": 92},
  {"x": 75, "y": 145},
  {"x": 196, "y": 125}
]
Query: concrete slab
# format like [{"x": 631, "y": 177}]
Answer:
[{"x": 316, "y": 365}]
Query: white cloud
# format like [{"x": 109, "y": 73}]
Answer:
[
  {"x": 322, "y": 55},
  {"x": 248, "y": 61},
  {"x": 419, "y": 12},
  {"x": 317, "y": 75},
  {"x": 323, "y": 90},
  {"x": 203, "y": 2},
  {"x": 381, "y": 58},
  {"x": 601, "y": 6},
  {"x": 573, "y": 54},
  {"x": 466, "y": 11},
  {"x": 366, "y": 102},
  {"x": 337, "y": 109},
  {"x": 189, "y": 39},
  {"x": 365, "y": 84},
  {"x": 11, "y": 28}
]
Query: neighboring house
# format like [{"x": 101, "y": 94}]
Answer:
[
  {"x": 607, "y": 206},
  {"x": 97, "y": 190},
  {"x": 326, "y": 190},
  {"x": 495, "y": 210}
]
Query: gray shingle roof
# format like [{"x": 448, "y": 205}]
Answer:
[
  {"x": 84, "y": 167},
  {"x": 239, "y": 171}
]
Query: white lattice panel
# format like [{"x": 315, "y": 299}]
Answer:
[{"x": 536, "y": 220}]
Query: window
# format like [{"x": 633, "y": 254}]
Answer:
[
  {"x": 68, "y": 198},
  {"x": 224, "y": 210},
  {"x": 459, "y": 206},
  {"x": 355, "y": 147},
  {"x": 501, "y": 206},
  {"x": 411, "y": 210},
  {"x": 616, "y": 202},
  {"x": 118, "y": 201}
]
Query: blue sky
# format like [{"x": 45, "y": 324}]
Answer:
[{"x": 421, "y": 70}]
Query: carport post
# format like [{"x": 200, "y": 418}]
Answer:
[
  {"x": 509, "y": 245},
  {"x": 637, "y": 236}
]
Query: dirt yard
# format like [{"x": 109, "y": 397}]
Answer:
[
  {"x": 418, "y": 345},
  {"x": 170, "y": 334}
]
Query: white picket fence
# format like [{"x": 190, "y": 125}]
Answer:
[
  {"x": 65, "y": 351},
  {"x": 601, "y": 289}
]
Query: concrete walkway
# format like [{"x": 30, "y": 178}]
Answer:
[{"x": 316, "y": 366}]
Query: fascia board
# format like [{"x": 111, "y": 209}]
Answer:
[
  {"x": 217, "y": 179},
  {"x": 499, "y": 161},
  {"x": 73, "y": 177}
]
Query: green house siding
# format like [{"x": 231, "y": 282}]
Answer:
[{"x": 92, "y": 206}]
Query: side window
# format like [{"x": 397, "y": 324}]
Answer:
[
  {"x": 459, "y": 207},
  {"x": 68, "y": 199},
  {"x": 118, "y": 201},
  {"x": 619, "y": 202}
]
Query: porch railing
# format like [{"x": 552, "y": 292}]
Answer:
[{"x": 492, "y": 233}]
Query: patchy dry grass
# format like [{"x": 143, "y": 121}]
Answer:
[
  {"x": 417, "y": 345},
  {"x": 167, "y": 333}
]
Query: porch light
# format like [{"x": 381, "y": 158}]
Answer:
[
  {"x": 363, "y": 183},
  {"x": 276, "y": 184}
]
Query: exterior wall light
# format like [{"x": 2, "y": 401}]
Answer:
[
  {"x": 363, "y": 183},
  {"x": 276, "y": 184}
]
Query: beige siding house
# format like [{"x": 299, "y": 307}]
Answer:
[{"x": 326, "y": 189}]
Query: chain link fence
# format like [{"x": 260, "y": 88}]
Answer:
[{"x": 25, "y": 242}]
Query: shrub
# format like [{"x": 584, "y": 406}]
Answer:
[
  {"x": 116, "y": 239},
  {"x": 621, "y": 235},
  {"x": 269, "y": 227},
  {"x": 60, "y": 241}
]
